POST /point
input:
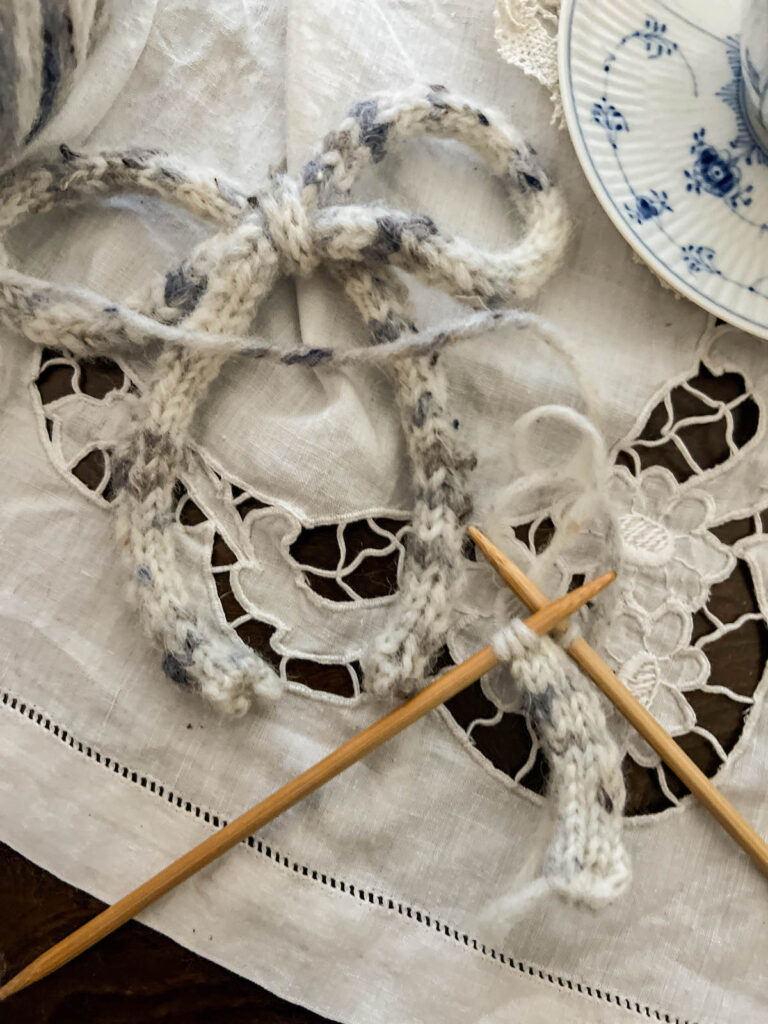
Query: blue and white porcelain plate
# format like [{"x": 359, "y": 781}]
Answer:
[{"x": 654, "y": 101}]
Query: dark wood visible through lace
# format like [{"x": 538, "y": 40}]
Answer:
[
  {"x": 737, "y": 659},
  {"x": 688, "y": 432},
  {"x": 88, "y": 906}
]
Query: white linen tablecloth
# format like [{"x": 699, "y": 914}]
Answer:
[{"x": 370, "y": 901}]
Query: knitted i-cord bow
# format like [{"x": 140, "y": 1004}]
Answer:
[
  {"x": 586, "y": 860},
  {"x": 289, "y": 229}
]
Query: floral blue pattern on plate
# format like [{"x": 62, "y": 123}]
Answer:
[{"x": 654, "y": 101}]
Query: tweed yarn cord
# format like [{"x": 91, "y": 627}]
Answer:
[
  {"x": 203, "y": 310},
  {"x": 586, "y": 860}
]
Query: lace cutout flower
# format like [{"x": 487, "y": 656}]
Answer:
[
  {"x": 654, "y": 659},
  {"x": 685, "y": 609},
  {"x": 684, "y": 612},
  {"x": 668, "y": 551},
  {"x": 84, "y": 405}
]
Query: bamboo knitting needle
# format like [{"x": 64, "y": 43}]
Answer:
[
  {"x": 671, "y": 754},
  {"x": 363, "y": 743}
]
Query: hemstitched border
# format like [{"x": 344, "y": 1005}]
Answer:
[{"x": 28, "y": 711}]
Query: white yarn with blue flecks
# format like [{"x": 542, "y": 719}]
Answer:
[
  {"x": 586, "y": 860},
  {"x": 203, "y": 309}
]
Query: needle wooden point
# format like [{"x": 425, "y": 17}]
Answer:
[
  {"x": 636, "y": 714},
  {"x": 448, "y": 685}
]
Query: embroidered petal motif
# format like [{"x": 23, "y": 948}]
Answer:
[
  {"x": 691, "y": 586},
  {"x": 668, "y": 632},
  {"x": 653, "y": 592},
  {"x": 689, "y": 511},
  {"x": 686, "y": 606},
  {"x": 688, "y": 670},
  {"x": 625, "y": 637},
  {"x": 702, "y": 551},
  {"x": 658, "y": 491},
  {"x": 671, "y": 710},
  {"x": 646, "y": 542}
]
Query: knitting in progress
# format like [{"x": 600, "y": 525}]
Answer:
[
  {"x": 468, "y": 869},
  {"x": 586, "y": 860},
  {"x": 203, "y": 310}
]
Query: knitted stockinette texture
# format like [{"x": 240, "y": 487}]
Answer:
[
  {"x": 203, "y": 309},
  {"x": 586, "y": 860}
]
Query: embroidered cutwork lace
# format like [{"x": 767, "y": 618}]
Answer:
[
  {"x": 378, "y": 899},
  {"x": 663, "y": 628}
]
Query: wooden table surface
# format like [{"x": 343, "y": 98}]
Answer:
[
  {"x": 138, "y": 975},
  {"x": 135, "y": 976}
]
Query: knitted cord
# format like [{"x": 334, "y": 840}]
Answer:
[
  {"x": 404, "y": 651},
  {"x": 586, "y": 860},
  {"x": 288, "y": 228}
]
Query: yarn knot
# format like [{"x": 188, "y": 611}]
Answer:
[
  {"x": 288, "y": 224},
  {"x": 203, "y": 309}
]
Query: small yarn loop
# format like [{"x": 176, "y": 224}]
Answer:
[{"x": 513, "y": 640}]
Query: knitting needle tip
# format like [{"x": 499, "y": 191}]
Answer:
[
  {"x": 553, "y": 616},
  {"x": 491, "y": 552},
  {"x": 636, "y": 714},
  {"x": 516, "y": 578}
]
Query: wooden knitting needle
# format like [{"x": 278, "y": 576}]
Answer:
[
  {"x": 636, "y": 714},
  {"x": 442, "y": 689}
]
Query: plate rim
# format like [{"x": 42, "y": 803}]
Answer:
[{"x": 678, "y": 284}]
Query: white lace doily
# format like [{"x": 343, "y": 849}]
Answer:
[
  {"x": 391, "y": 871},
  {"x": 526, "y": 31}
]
